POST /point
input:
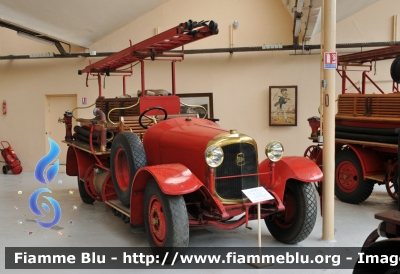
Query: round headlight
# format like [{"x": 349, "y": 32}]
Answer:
[
  {"x": 214, "y": 156},
  {"x": 274, "y": 151}
]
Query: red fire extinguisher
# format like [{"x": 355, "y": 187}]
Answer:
[
  {"x": 11, "y": 159},
  {"x": 4, "y": 107}
]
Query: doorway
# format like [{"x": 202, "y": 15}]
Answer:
[{"x": 56, "y": 105}]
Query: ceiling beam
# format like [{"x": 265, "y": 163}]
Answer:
[
  {"x": 60, "y": 48},
  {"x": 38, "y": 35}
]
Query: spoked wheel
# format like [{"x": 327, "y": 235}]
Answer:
[
  {"x": 298, "y": 220},
  {"x": 127, "y": 157},
  {"x": 166, "y": 221},
  {"x": 314, "y": 153},
  {"x": 350, "y": 186},
  {"x": 392, "y": 182},
  {"x": 146, "y": 120}
]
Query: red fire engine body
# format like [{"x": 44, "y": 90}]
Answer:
[
  {"x": 367, "y": 151},
  {"x": 166, "y": 171},
  {"x": 365, "y": 138}
]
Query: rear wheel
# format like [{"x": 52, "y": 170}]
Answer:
[
  {"x": 298, "y": 220},
  {"x": 392, "y": 183},
  {"x": 127, "y": 157},
  {"x": 85, "y": 197},
  {"x": 350, "y": 186},
  {"x": 166, "y": 221}
]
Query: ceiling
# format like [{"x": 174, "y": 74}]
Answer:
[
  {"x": 311, "y": 13},
  {"x": 79, "y": 22},
  {"x": 83, "y": 22}
]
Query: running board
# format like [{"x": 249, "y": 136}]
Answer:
[
  {"x": 117, "y": 205},
  {"x": 377, "y": 177}
]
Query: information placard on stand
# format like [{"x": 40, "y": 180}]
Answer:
[{"x": 257, "y": 195}]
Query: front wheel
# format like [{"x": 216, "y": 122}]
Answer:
[
  {"x": 166, "y": 221},
  {"x": 350, "y": 186},
  {"x": 298, "y": 220}
]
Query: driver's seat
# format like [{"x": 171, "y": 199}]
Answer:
[{"x": 130, "y": 123}]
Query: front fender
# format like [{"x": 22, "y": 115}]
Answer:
[
  {"x": 72, "y": 163},
  {"x": 369, "y": 160},
  {"x": 173, "y": 179},
  {"x": 290, "y": 167}
]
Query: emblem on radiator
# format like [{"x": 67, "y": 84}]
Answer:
[{"x": 240, "y": 159}]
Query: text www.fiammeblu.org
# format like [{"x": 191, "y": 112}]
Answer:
[
  {"x": 285, "y": 259},
  {"x": 233, "y": 258}
]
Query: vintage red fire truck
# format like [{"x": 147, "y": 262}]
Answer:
[
  {"x": 365, "y": 137},
  {"x": 167, "y": 171}
]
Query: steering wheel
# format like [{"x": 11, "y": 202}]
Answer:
[{"x": 152, "y": 119}]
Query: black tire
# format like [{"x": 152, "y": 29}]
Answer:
[
  {"x": 127, "y": 157},
  {"x": 392, "y": 183},
  {"x": 5, "y": 169},
  {"x": 395, "y": 70},
  {"x": 298, "y": 220},
  {"x": 85, "y": 197},
  {"x": 396, "y": 182},
  {"x": 350, "y": 186},
  {"x": 171, "y": 233},
  {"x": 381, "y": 249}
]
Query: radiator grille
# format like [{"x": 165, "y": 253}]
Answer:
[{"x": 239, "y": 159}]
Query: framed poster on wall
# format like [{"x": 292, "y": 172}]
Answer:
[
  {"x": 283, "y": 105},
  {"x": 200, "y": 103}
]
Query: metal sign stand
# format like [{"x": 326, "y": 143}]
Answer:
[{"x": 255, "y": 196}]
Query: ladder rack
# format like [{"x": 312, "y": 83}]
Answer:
[{"x": 155, "y": 46}]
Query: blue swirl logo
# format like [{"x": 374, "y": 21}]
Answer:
[
  {"x": 45, "y": 178},
  {"x": 45, "y": 161}
]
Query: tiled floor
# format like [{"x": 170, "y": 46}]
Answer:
[{"x": 85, "y": 225}]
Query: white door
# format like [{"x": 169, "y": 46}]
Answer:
[{"x": 56, "y": 105}]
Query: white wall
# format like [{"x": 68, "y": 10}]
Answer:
[{"x": 239, "y": 82}]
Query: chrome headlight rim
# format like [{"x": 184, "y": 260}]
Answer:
[
  {"x": 214, "y": 156},
  {"x": 272, "y": 152}
]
